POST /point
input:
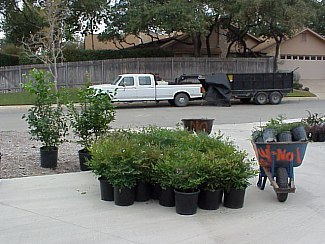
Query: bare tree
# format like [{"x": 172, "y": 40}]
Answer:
[{"x": 48, "y": 43}]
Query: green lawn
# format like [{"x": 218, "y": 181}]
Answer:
[
  {"x": 24, "y": 98},
  {"x": 300, "y": 93}
]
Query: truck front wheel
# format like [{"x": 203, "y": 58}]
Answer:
[
  {"x": 181, "y": 100},
  {"x": 275, "y": 97},
  {"x": 261, "y": 98}
]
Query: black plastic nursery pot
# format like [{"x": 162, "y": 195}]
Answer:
[
  {"x": 84, "y": 157},
  {"x": 124, "y": 196},
  {"x": 167, "y": 197},
  {"x": 285, "y": 136},
  {"x": 210, "y": 200},
  {"x": 299, "y": 133},
  {"x": 198, "y": 125},
  {"x": 106, "y": 190},
  {"x": 234, "y": 198},
  {"x": 155, "y": 191},
  {"x": 142, "y": 191},
  {"x": 49, "y": 157},
  {"x": 186, "y": 203}
]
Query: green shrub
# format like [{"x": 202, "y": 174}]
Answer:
[{"x": 8, "y": 60}]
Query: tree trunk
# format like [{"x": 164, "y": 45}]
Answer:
[
  {"x": 229, "y": 48},
  {"x": 207, "y": 41},
  {"x": 197, "y": 44},
  {"x": 277, "y": 52}
]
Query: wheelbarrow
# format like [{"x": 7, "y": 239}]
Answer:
[{"x": 277, "y": 161}]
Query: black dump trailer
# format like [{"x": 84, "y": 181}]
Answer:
[{"x": 262, "y": 88}]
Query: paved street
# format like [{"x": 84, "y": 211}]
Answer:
[{"x": 143, "y": 114}]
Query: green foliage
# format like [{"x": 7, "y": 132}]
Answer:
[
  {"x": 171, "y": 158},
  {"x": 90, "y": 119},
  {"x": 8, "y": 60},
  {"x": 46, "y": 122},
  {"x": 277, "y": 124},
  {"x": 297, "y": 86},
  {"x": 73, "y": 55}
]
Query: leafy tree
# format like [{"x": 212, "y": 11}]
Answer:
[
  {"x": 317, "y": 20},
  {"x": 280, "y": 19},
  {"x": 19, "y": 19},
  {"x": 86, "y": 16},
  {"x": 240, "y": 17},
  {"x": 156, "y": 16}
]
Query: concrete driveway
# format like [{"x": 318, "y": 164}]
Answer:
[
  {"x": 316, "y": 86},
  {"x": 67, "y": 208}
]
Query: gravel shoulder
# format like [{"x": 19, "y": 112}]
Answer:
[{"x": 21, "y": 156}]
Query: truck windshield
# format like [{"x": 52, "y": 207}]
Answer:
[{"x": 116, "y": 80}]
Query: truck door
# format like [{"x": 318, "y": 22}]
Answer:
[
  {"x": 126, "y": 90},
  {"x": 146, "y": 88}
]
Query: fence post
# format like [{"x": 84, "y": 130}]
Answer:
[
  {"x": 20, "y": 78},
  {"x": 102, "y": 73}
]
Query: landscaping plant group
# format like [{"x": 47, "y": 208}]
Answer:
[
  {"x": 171, "y": 159},
  {"x": 49, "y": 123}
]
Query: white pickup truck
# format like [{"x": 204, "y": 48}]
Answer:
[{"x": 144, "y": 87}]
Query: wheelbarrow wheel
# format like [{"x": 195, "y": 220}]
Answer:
[{"x": 282, "y": 181}]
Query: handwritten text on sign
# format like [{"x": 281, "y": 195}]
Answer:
[{"x": 280, "y": 155}]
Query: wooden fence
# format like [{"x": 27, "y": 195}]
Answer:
[{"x": 75, "y": 74}]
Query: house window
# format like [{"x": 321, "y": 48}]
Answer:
[
  {"x": 294, "y": 57},
  {"x": 283, "y": 57},
  {"x": 301, "y": 57},
  {"x": 289, "y": 57},
  {"x": 307, "y": 58},
  {"x": 312, "y": 58},
  {"x": 319, "y": 57}
]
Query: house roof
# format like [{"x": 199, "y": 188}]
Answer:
[{"x": 266, "y": 44}]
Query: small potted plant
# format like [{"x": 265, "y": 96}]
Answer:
[
  {"x": 186, "y": 177},
  {"x": 121, "y": 156},
  {"x": 314, "y": 124},
  {"x": 99, "y": 165},
  {"x": 46, "y": 122},
  {"x": 90, "y": 119},
  {"x": 237, "y": 172}
]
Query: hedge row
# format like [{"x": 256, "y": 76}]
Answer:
[
  {"x": 8, "y": 60},
  {"x": 75, "y": 55}
]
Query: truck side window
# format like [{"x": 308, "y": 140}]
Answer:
[
  {"x": 127, "y": 81},
  {"x": 144, "y": 81}
]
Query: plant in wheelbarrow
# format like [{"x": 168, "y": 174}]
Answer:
[
  {"x": 276, "y": 129},
  {"x": 90, "y": 119},
  {"x": 277, "y": 159},
  {"x": 46, "y": 120}
]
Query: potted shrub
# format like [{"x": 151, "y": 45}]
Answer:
[
  {"x": 314, "y": 126},
  {"x": 237, "y": 170},
  {"x": 186, "y": 177},
  {"x": 46, "y": 122},
  {"x": 211, "y": 189},
  {"x": 90, "y": 119},
  {"x": 99, "y": 165},
  {"x": 121, "y": 155}
]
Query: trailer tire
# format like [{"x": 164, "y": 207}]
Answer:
[
  {"x": 275, "y": 97},
  {"x": 282, "y": 181},
  {"x": 261, "y": 98},
  {"x": 181, "y": 99}
]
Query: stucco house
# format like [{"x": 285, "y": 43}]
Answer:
[
  {"x": 305, "y": 52},
  {"x": 177, "y": 44}
]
